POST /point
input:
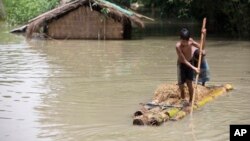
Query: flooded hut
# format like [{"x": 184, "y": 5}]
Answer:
[{"x": 84, "y": 19}]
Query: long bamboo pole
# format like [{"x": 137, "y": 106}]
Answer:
[{"x": 202, "y": 43}]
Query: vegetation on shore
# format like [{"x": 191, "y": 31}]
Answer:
[
  {"x": 230, "y": 17},
  {"x": 2, "y": 11},
  {"x": 20, "y": 11}
]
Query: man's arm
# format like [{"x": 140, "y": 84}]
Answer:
[
  {"x": 197, "y": 45},
  {"x": 194, "y": 43}
]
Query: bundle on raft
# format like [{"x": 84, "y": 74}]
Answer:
[{"x": 167, "y": 105}]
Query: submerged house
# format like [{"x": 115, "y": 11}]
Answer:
[{"x": 84, "y": 19}]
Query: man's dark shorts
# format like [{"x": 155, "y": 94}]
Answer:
[{"x": 184, "y": 73}]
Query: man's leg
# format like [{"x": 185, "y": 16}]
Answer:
[
  {"x": 181, "y": 86},
  {"x": 203, "y": 83},
  {"x": 190, "y": 90}
]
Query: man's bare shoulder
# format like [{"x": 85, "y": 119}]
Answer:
[{"x": 178, "y": 44}]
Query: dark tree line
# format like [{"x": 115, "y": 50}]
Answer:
[
  {"x": 2, "y": 12},
  {"x": 230, "y": 17}
]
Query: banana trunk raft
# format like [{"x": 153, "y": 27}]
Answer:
[{"x": 167, "y": 106}]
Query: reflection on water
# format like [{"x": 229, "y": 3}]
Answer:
[{"x": 88, "y": 90}]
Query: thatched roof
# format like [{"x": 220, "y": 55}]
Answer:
[{"x": 114, "y": 11}]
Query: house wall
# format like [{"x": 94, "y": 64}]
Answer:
[{"x": 83, "y": 23}]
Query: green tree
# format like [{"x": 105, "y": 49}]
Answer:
[
  {"x": 2, "y": 12},
  {"x": 230, "y": 17},
  {"x": 224, "y": 16},
  {"x": 20, "y": 11}
]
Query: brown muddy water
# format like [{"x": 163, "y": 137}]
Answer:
[{"x": 88, "y": 90}]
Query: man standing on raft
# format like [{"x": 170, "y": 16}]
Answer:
[{"x": 186, "y": 50}]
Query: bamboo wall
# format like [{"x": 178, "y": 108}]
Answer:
[{"x": 83, "y": 23}]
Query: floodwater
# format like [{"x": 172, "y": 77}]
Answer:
[{"x": 88, "y": 90}]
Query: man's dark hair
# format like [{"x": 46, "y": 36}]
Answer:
[{"x": 184, "y": 34}]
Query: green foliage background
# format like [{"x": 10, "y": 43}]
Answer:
[
  {"x": 20, "y": 11},
  {"x": 1, "y": 10},
  {"x": 230, "y": 17},
  {"x": 224, "y": 16}
]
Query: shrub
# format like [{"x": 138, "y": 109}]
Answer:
[{"x": 20, "y": 11}]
